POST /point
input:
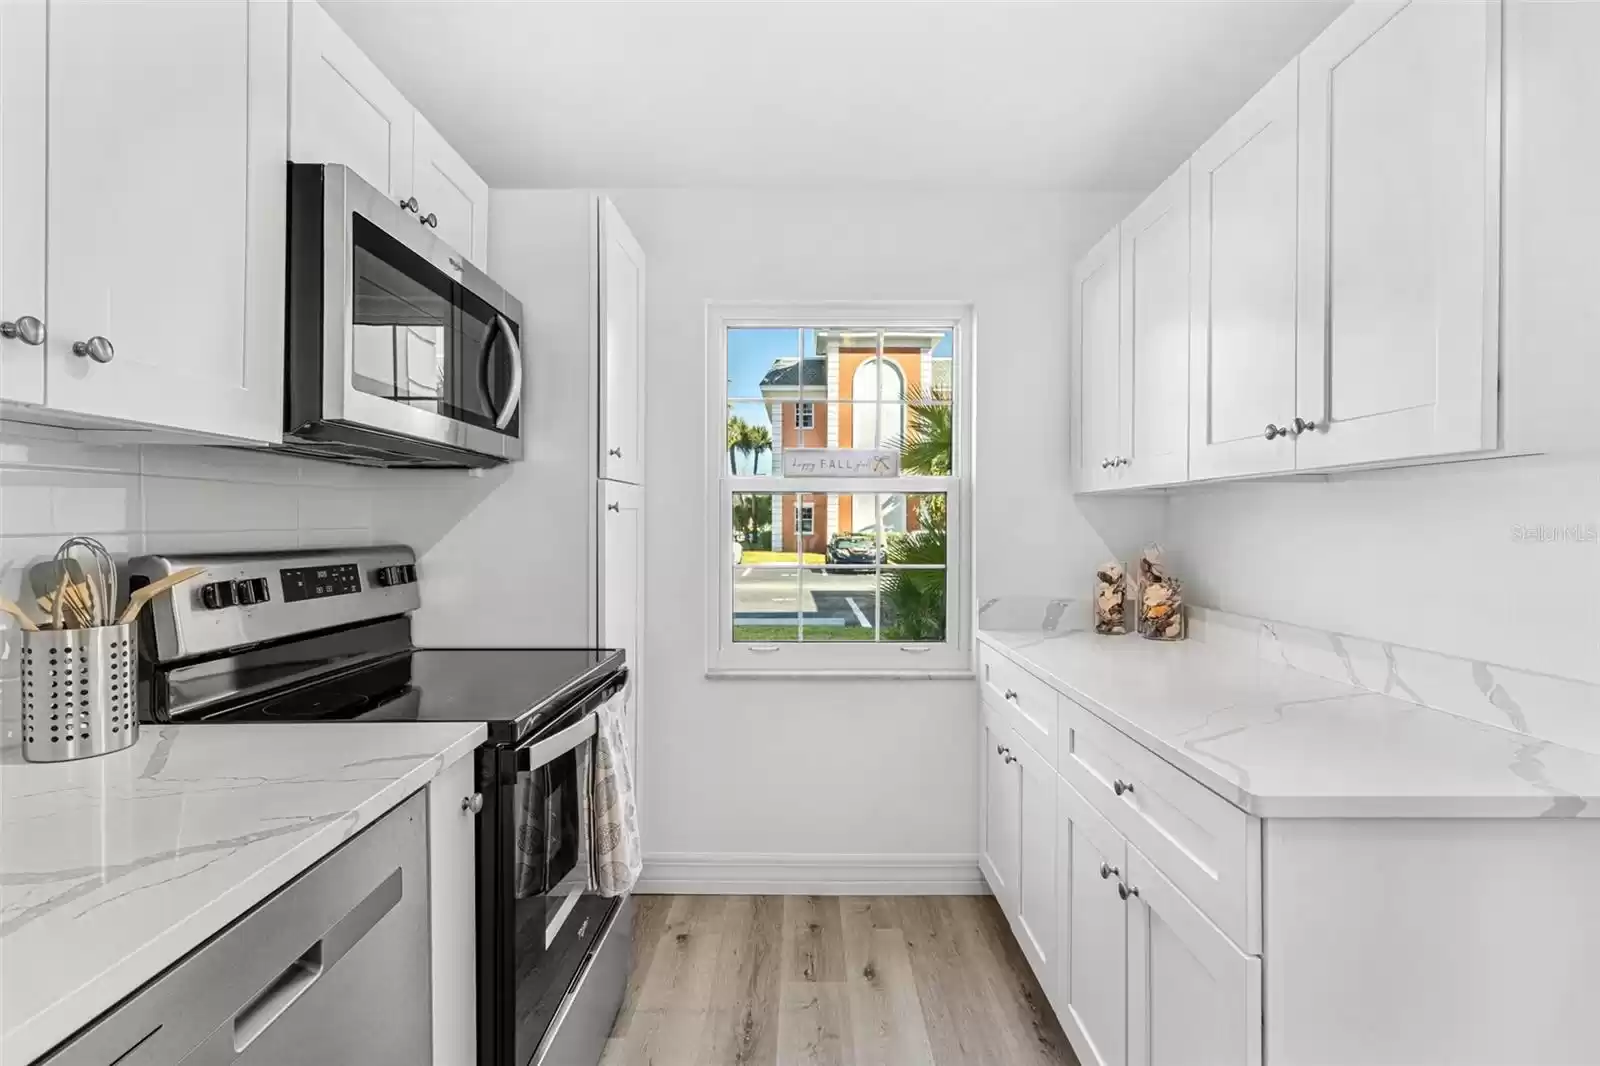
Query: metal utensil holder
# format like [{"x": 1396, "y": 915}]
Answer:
[{"x": 79, "y": 694}]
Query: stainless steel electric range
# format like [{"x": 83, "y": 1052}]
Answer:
[{"x": 326, "y": 636}]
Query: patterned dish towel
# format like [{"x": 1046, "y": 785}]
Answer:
[{"x": 614, "y": 856}]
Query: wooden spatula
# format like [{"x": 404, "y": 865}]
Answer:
[
  {"x": 143, "y": 596},
  {"x": 16, "y": 612}
]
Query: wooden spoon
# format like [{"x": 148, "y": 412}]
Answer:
[
  {"x": 143, "y": 596},
  {"x": 16, "y": 612}
]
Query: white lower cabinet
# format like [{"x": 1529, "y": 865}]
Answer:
[
  {"x": 1000, "y": 800},
  {"x": 1091, "y": 987},
  {"x": 452, "y": 902},
  {"x": 1034, "y": 919},
  {"x": 1139, "y": 973},
  {"x": 1193, "y": 998}
]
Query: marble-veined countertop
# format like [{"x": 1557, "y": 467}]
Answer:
[
  {"x": 1280, "y": 742},
  {"x": 113, "y": 868}
]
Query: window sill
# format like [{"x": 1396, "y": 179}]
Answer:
[{"x": 840, "y": 675}]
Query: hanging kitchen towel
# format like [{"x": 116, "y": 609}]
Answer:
[{"x": 614, "y": 856}]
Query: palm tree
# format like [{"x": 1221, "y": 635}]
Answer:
[
  {"x": 759, "y": 441},
  {"x": 738, "y": 441},
  {"x": 913, "y": 601}
]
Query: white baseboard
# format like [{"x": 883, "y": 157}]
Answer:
[{"x": 812, "y": 875}]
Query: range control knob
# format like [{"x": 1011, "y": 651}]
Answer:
[
  {"x": 390, "y": 576},
  {"x": 219, "y": 594}
]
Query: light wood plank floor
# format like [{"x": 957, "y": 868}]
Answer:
[{"x": 830, "y": 980}]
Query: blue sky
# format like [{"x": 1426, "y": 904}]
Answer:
[{"x": 751, "y": 353}]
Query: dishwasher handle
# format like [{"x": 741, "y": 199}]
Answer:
[{"x": 294, "y": 982}]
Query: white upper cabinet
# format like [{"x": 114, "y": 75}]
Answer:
[
  {"x": 622, "y": 362},
  {"x": 1096, "y": 361},
  {"x": 22, "y": 200},
  {"x": 165, "y": 223},
  {"x": 1155, "y": 337},
  {"x": 450, "y": 195},
  {"x": 1399, "y": 222},
  {"x": 1242, "y": 306},
  {"x": 343, "y": 110}
]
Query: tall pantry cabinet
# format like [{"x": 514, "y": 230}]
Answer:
[{"x": 620, "y": 377}]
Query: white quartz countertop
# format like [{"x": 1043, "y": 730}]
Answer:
[
  {"x": 1283, "y": 743},
  {"x": 112, "y": 869}
]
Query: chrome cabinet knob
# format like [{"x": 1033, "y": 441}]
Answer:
[
  {"x": 27, "y": 329},
  {"x": 472, "y": 804},
  {"x": 617, "y": 507},
  {"x": 615, "y": 453},
  {"x": 1274, "y": 432},
  {"x": 1010, "y": 758},
  {"x": 1000, "y": 749},
  {"x": 97, "y": 348},
  {"x": 410, "y": 204},
  {"x": 1119, "y": 786},
  {"x": 430, "y": 219},
  {"x": 1121, "y": 460},
  {"x": 1105, "y": 464},
  {"x": 1107, "y": 871},
  {"x": 1125, "y": 891},
  {"x": 1011, "y": 694},
  {"x": 1302, "y": 426}
]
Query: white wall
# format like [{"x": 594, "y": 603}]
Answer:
[
  {"x": 1429, "y": 556},
  {"x": 824, "y": 768}
]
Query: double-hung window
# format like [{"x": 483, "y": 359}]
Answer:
[{"x": 839, "y": 448}]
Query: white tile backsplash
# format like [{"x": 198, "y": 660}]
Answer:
[{"x": 139, "y": 498}]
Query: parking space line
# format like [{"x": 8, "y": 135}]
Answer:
[{"x": 851, "y": 600}]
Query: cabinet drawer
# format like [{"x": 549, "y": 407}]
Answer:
[
  {"x": 1207, "y": 847},
  {"x": 1028, "y": 704}
]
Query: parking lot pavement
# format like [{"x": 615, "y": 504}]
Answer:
[{"x": 762, "y": 595}]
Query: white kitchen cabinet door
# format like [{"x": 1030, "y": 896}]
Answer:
[
  {"x": 452, "y": 903},
  {"x": 622, "y": 353},
  {"x": 342, "y": 108},
  {"x": 1399, "y": 233},
  {"x": 1096, "y": 366},
  {"x": 167, "y": 195},
  {"x": 1242, "y": 289},
  {"x": 621, "y": 593},
  {"x": 449, "y": 193},
  {"x": 1092, "y": 970},
  {"x": 1155, "y": 337},
  {"x": 1034, "y": 920},
  {"x": 1193, "y": 998},
  {"x": 1000, "y": 795},
  {"x": 22, "y": 199}
]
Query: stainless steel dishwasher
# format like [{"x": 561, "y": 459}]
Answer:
[{"x": 331, "y": 969}]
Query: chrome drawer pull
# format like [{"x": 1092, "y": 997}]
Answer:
[
  {"x": 1011, "y": 694},
  {"x": 1125, "y": 891},
  {"x": 1119, "y": 786},
  {"x": 1107, "y": 870}
]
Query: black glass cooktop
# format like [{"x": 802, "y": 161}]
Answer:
[{"x": 513, "y": 690}]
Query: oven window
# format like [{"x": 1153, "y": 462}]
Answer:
[
  {"x": 551, "y": 873},
  {"x": 421, "y": 339}
]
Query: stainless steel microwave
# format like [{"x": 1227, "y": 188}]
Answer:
[{"x": 400, "y": 352}]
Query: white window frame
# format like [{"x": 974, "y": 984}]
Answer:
[
  {"x": 951, "y": 659},
  {"x": 805, "y": 413},
  {"x": 805, "y": 519}
]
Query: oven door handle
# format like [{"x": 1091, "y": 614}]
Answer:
[
  {"x": 513, "y": 399},
  {"x": 542, "y": 752}
]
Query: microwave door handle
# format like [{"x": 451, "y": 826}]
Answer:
[{"x": 513, "y": 391}]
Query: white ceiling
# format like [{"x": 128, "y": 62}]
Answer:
[{"x": 1090, "y": 95}]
